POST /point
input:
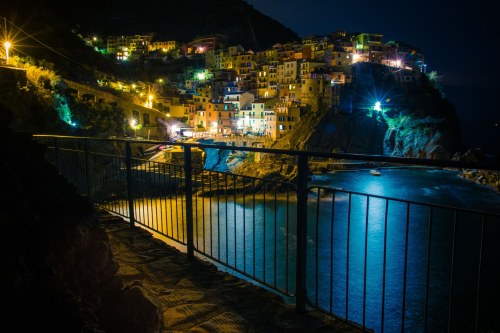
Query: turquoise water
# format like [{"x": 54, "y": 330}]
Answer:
[
  {"x": 439, "y": 187},
  {"x": 256, "y": 235}
]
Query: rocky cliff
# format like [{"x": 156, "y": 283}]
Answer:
[{"x": 413, "y": 119}]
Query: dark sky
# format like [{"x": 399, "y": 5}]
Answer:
[{"x": 456, "y": 37}]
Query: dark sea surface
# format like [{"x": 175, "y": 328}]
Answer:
[{"x": 414, "y": 249}]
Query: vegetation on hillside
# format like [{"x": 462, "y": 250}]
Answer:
[{"x": 44, "y": 105}]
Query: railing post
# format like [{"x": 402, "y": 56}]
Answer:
[
  {"x": 87, "y": 168},
  {"x": 57, "y": 161},
  {"x": 128, "y": 163},
  {"x": 188, "y": 171},
  {"x": 300, "y": 288}
]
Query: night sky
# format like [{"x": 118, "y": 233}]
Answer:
[{"x": 457, "y": 40}]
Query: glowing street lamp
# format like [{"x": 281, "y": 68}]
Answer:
[
  {"x": 355, "y": 58},
  {"x": 377, "y": 106},
  {"x": 7, "y": 46},
  {"x": 174, "y": 129},
  {"x": 150, "y": 99}
]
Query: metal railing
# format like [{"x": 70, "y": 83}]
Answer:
[{"x": 375, "y": 261}]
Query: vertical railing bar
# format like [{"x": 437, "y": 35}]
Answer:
[
  {"x": 316, "y": 250},
  {"x": 195, "y": 209},
  {"x": 218, "y": 215},
  {"x": 483, "y": 226},
  {"x": 177, "y": 178},
  {"x": 227, "y": 216},
  {"x": 140, "y": 199},
  {"x": 347, "y": 258},
  {"x": 154, "y": 203},
  {"x": 128, "y": 163},
  {"x": 171, "y": 201},
  {"x": 144, "y": 203},
  {"x": 450, "y": 302},
  {"x": 210, "y": 209},
  {"x": 161, "y": 182},
  {"x": 189, "y": 201},
  {"x": 331, "y": 250},
  {"x": 203, "y": 210},
  {"x": 405, "y": 269},
  {"x": 429, "y": 243},
  {"x": 264, "y": 233},
  {"x": 244, "y": 229},
  {"x": 384, "y": 265},
  {"x": 253, "y": 218},
  {"x": 301, "y": 291},
  {"x": 159, "y": 215},
  {"x": 184, "y": 231},
  {"x": 147, "y": 195},
  {"x": 234, "y": 219},
  {"x": 56, "y": 154},
  {"x": 275, "y": 230},
  {"x": 287, "y": 237},
  {"x": 159, "y": 204},
  {"x": 366, "y": 260}
]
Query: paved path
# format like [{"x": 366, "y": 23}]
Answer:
[{"x": 194, "y": 296}]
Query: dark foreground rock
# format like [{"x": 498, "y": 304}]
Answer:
[{"x": 58, "y": 272}]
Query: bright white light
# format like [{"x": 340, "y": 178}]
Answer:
[
  {"x": 377, "y": 107},
  {"x": 133, "y": 122},
  {"x": 174, "y": 129},
  {"x": 355, "y": 57},
  {"x": 214, "y": 124},
  {"x": 398, "y": 63},
  {"x": 7, "y": 45},
  {"x": 200, "y": 76}
]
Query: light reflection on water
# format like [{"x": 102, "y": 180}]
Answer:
[{"x": 258, "y": 238}]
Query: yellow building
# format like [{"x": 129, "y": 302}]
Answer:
[
  {"x": 316, "y": 91},
  {"x": 163, "y": 46},
  {"x": 287, "y": 72},
  {"x": 283, "y": 119}
]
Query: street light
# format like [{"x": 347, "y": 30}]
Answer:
[{"x": 7, "y": 46}]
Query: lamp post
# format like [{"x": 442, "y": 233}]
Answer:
[{"x": 7, "y": 46}]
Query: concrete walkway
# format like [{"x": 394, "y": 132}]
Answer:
[{"x": 194, "y": 296}]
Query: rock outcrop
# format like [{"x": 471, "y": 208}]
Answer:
[{"x": 414, "y": 120}]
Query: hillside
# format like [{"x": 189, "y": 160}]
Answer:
[{"x": 171, "y": 20}]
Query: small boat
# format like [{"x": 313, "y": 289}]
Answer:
[{"x": 374, "y": 172}]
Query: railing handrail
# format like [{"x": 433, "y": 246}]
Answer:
[
  {"x": 302, "y": 188},
  {"x": 485, "y": 165}
]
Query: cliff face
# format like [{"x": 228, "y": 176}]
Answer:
[{"x": 414, "y": 119}]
